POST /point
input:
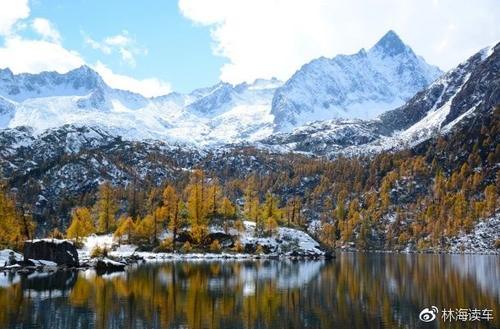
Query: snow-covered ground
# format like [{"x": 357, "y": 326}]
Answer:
[
  {"x": 480, "y": 240},
  {"x": 5, "y": 254},
  {"x": 284, "y": 242},
  {"x": 104, "y": 242}
]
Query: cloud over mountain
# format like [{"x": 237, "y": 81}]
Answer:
[{"x": 266, "y": 38}]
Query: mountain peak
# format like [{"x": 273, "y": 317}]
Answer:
[
  {"x": 85, "y": 71},
  {"x": 390, "y": 44},
  {"x": 84, "y": 76},
  {"x": 6, "y": 73},
  {"x": 358, "y": 86}
]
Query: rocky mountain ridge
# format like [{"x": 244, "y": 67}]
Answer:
[
  {"x": 470, "y": 89},
  {"x": 358, "y": 86},
  {"x": 363, "y": 85}
]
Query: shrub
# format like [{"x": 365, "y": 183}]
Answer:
[
  {"x": 271, "y": 226},
  {"x": 166, "y": 245},
  {"x": 238, "y": 246},
  {"x": 215, "y": 246},
  {"x": 187, "y": 247},
  {"x": 497, "y": 243},
  {"x": 259, "y": 250},
  {"x": 99, "y": 252},
  {"x": 56, "y": 234},
  {"x": 240, "y": 227}
]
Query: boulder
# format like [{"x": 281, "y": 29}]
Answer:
[
  {"x": 9, "y": 257},
  {"x": 251, "y": 248},
  {"x": 183, "y": 237},
  {"x": 61, "y": 252},
  {"x": 225, "y": 240},
  {"x": 106, "y": 265},
  {"x": 329, "y": 254}
]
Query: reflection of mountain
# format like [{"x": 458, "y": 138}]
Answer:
[
  {"x": 285, "y": 274},
  {"x": 394, "y": 288},
  {"x": 354, "y": 291},
  {"x": 483, "y": 270}
]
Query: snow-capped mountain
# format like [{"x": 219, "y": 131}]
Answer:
[
  {"x": 248, "y": 113},
  {"x": 220, "y": 114},
  {"x": 242, "y": 114},
  {"x": 470, "y": 90},
  {"x": 20, "y": 87},
  {"x": 363, "y": 84},
  {"x": 358, "y": 86}
]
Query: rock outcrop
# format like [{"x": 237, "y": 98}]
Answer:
[
  {"x": 106, "y": 265},
  {"x": 61, "y": 252},
  {"x": 225, "y": 240}
]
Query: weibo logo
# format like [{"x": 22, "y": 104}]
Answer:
[{"x": 428, "y": 315}]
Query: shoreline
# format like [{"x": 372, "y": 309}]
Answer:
[
  {"x": 142, "y": 258},
  {"x": 416, "y": 252}
]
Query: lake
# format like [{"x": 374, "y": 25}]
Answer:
[{"x": 355, "y": 290}]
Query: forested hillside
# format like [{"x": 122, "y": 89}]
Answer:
[
  {"x": 417, "y": 198},
  {"x": 420, "y": 176}
]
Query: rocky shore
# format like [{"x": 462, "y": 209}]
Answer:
[{"x": 45, "y": 255}]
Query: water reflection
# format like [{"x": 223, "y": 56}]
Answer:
[{"x": 354, "y": 291}]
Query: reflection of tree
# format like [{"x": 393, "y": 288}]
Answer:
[
  {"x": 11, "y": 304},
  {"x": 356, "y": 290}
]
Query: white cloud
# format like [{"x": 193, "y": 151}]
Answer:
[
  {"x": 46, "y": 53},
  {"x": 22, "y": 55},
  {"x": 119, "y": 40},
  {"x": 147, "y": 87},
  {"x": 32, "y": 55},
  {"x": 96, "y": 45},
  {"x": 45, "y": 28},
  {"x": 12, "y": 11},
  {"x": 265, "y": 38},
  {"x": 121, "y": 43}
]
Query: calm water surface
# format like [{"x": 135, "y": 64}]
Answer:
[{"x": 353, "y": 291}]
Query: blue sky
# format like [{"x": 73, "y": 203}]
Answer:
[
  {"x": 178, "y": 50},
  {"x": 154, "y": 47}
]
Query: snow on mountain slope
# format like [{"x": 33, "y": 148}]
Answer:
[
  {"x": 7, "y": 111},
  {"x": 215, "y": 115},
  {"x": 362, "y": 85},
  {"x": 472, "y": 88},
  {"x": 358, "y": 85},
  {"x": 324, "y": 137},
  {"x": 220, "y": 114},
  {"x": 19, "y": 87}
]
